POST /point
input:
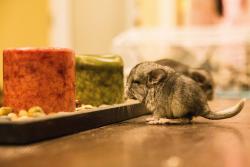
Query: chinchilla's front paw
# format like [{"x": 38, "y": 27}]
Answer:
[
  {"x": 150, "y": 119},
  {"x": 160, "y": 121}
]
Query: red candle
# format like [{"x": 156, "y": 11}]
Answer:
[{"x": 39, "y": 77}]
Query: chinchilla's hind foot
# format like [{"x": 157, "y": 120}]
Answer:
[{"x": 162, "y": 121}]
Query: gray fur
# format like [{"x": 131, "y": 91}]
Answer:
[
  {"x": 171, "y": 95},
  {"x": 201, "y": 76}
]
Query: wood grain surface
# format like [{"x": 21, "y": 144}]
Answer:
[{"x": 134, "y": 143}]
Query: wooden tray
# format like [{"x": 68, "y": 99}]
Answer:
[{"x": 51, "y": 126}]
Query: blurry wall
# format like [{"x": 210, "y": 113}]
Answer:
[
  {"x": 61, "y": 28},
  {"x": 167, "y": 13},
  {"x": 96, "y": 22},
  {"x": 147, "y": 12},
  {"x": 23, "y": 23}
]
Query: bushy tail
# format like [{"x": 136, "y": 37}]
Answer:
[{"x": 227, "y": 113}]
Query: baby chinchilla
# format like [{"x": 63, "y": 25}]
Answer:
[
  {"x": 171, "y": 95},
  {"x": 201, "y": 76}
]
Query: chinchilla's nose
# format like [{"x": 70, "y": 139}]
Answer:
[{"x": 128, "y": 94}]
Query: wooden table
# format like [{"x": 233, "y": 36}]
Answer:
[{"x": 134, "y": 143}]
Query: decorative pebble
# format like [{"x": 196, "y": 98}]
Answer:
[
  {"x": 87, "y": 107},
  {"x": 104, "y": 105},
  {"x": 22, "y": 118},
  {"x": 36, "y": 111},
  {"x": 5, "y": 110},
  {"x": 4, "y": 118},
  {"x": 12, "y": 116},
  {"x": 22, "y": 113}
]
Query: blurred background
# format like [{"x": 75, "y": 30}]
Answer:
[{"x": 213, "y": 34}]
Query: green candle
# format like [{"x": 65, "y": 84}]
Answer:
[{"x": 99, "y": 79}]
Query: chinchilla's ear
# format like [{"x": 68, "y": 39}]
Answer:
[
  {"x": 198, "y": 75},
  {"x": 155, "y": 76}
]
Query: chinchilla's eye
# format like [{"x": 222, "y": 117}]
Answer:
[
  {"x": 136, "y": 82},
  {"x": 209, "y": 87}
]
